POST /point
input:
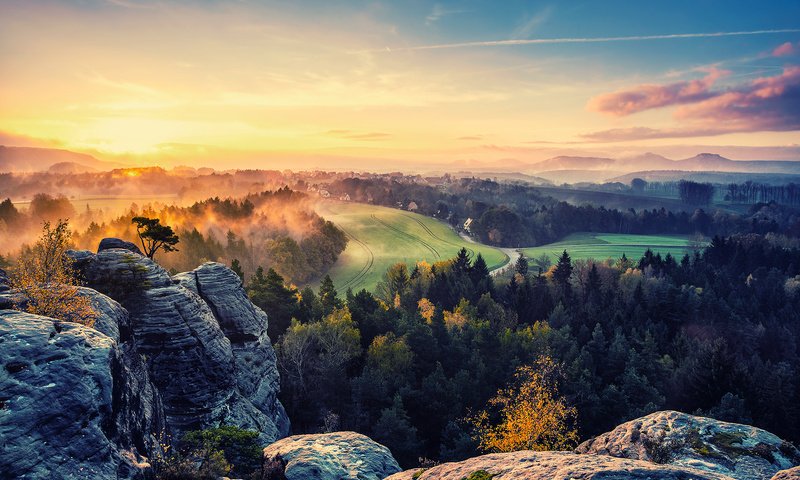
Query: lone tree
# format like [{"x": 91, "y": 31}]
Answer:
[
  {"x": 45, "y": 277},
  {"x": 528, "y": 415},
  {"x": 153, "y": 236}
]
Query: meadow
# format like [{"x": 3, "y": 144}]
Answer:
[
  {"x": 380, "y": 237},
  {"x": 600, "y": 246}
]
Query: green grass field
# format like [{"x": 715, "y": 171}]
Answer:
[
  {"x": 380, "y": 237},
  {"x": 601, "y": 246}
]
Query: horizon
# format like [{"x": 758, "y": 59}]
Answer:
[{"x": 422, "y": 86}]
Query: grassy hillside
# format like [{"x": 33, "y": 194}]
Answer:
[
  {"x": 601, "y": 246},
  {"x": 380, "y": 237}
]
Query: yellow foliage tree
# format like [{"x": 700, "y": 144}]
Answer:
[
  {"x": 45, "y": 277},
  {"x": 531, "y": 413}
]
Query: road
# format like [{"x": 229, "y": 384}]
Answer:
[{"x": 511, "y": 256}]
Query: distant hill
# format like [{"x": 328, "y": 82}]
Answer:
[
  {"x": 710, "y": 177},
  {"x": 30, "y": 159},
  {"x": 70, "y": 167},
  {"x": 580, "y": 169}
]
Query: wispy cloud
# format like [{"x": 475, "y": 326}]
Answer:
[
  {"x": 564, "y": 40},
  {"x": 351, "y": 135},
  {"x": 527, "y": 27},
  {"x": 438, "y": 12}
]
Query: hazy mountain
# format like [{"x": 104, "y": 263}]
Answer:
[
  {"x": 70, "y": 167},
  {"x": 30, "y": 159},
  {"x": 598, "y": 169},
  {"x": 573, "y": 163}
]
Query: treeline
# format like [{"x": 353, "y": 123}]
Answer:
[
  {"x": 277, "y": 229},
  {"x": 694, "y": 193},
  {"x": 753, "y": 192},
  {"x": 714, "y": 333},
  {"x": 519, "y": 215}
]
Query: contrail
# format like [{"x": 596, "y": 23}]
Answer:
[{"x": 543, "y": 41}]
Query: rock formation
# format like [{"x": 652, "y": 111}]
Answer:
[
  {"x": 206, "y": 344},
  {"x": 530, "y": 465},
  {"x": 73, "y": 403},
  {"x": 790, "y": 474},
  {"x": 340, "y": 456},
  {"x": 164, "y": 356},
  {"x": 739, "y": 451}
]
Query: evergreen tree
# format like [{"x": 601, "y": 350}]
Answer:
[
  {"x": 562, "y": 273},
  {"x": 328, "y": 296},
  {"x": 394, "y": 430},
  {"x": 521, "y": 266}
]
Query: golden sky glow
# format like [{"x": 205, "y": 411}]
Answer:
[{"x": 251, "y": 84}]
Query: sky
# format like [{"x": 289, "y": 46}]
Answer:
[{"x": 399, "y": 85}]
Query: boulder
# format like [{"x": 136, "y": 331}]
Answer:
[
  {"x": 109, "y": 243},
  {"x": 204, "y": 341},
  {"x": 739, "y": 451},
  {"x": 73, "y": 403},
  {"x": 328, "y": 456},
  {"x": 531, "y": 465},
  {"x": 790, "y": 474}
]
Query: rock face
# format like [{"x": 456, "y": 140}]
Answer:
[
  {"x": 109, "y": 243},
  {"x": 557, "y": 466},
  {"x": 340, "y": 456},
  {"x": 73, "y": 403},
  {"x": 739, "y": 451},
  {"x": 205, "y": 342},
  {"x": 790, "y": 474},
  {"x": 245, "y": 326}
]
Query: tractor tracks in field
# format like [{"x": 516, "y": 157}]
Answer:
[
  {"x": 409, "y": 236},
  {"x": 437, "y": 237},
  {"x": 355, "y": 280}
]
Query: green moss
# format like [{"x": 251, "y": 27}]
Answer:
[
  {"x": 479, "y": 475},
  {"x": 729, "y": 439},
  {"x": 418, "y": 473}
]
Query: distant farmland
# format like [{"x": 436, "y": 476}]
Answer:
[
  {"x": 380, "y": 237},
  {"x": 601, "y": 246}
]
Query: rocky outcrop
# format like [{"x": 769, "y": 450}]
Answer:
[
  {"x": 74, "y": 404},
  {"x": 340, "y": 456},
  {"x": 109, "y": 243},
  {"x": 739, "y": 451},
  {"x": 205, "y": 342},
  {"x": 245, "y": 326},
  {"x": 530, "y": 465},
  {"x": 790, "y": 474}
]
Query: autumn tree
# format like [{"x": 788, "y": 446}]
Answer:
[
  {"x": 154, "y": 236},
  {"x": 529, "y": 414},
  {"x": 46, "y": 279}
]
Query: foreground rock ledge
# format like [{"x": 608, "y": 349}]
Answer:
[
  {"x": 340, "y": 455},
  {"x": 73, "y": 404},
  {"x": 530, "y": 465},
  {"x": 739, "y": 451}
]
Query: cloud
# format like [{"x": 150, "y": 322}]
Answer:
[
  {"x": 470, "y": 137},
  {"x": 645, "y": 97},
  {"x": 526, "y": 28},
  {"x": 546, "y": 41},
  {"x": 351, "y": 135},
  {"x": 764, "y": 104},
  {"x": 438, "y": 12},
  {"x": 17, "y": 140},
  {"x": 784, "y": 50}
]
